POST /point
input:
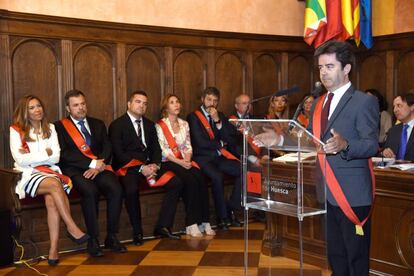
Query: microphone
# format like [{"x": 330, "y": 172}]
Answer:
[
  {"x": 317, "y": 89},
  {"x": 315, "y": 93},
  {"x": 283, "y": 92}
]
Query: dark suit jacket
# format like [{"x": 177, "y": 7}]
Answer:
[
  {"x": 203, "y": 147},
  {"x": 355, "y": 119},
  {"x": 126, "y": 145},
  {"x": 393, "y": 142},
  {"x": 72, "y": 161}
]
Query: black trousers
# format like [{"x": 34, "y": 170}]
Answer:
[
  {"x": 215, "y": 169},
  {"x": 131, "y": 181},
  {"x": 348, "y": 253},
  {"x": 105, "y": 183},
  {"x": 195, "y": 193}
]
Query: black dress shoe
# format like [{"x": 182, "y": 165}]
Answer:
[
  {"x": 93, "y": 248},
  {"x": 233, "y": 219},
  {"x": 138, "y": 239},
  {"x": 165, "y": 232},
  {"x": 53, "y": 262},
  {"x": 112, "y": 242},
  {"x": 223, "y": 224},
  {"x": 79, "y": 241}
]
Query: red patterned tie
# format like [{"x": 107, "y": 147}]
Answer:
[{"x": 325, "y": 112}]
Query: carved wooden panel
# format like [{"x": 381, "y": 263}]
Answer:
[
  {"x": 93, "y": 75},
  {"x": 299, "y": 73},
  {"x": 405, "y": 80},
  {"x": 229, "y": 80},
  {"x": 35, "y": 71},
  {"x": 266, "y": 71},
  {"x": 143, "y": 71},
  {"x": 189, "y": 79},
  {"x": 372, "y": 74}
]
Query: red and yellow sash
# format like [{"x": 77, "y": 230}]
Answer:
[
  {"x": 135, "y": 162},
  {"x": 63, "y": 178},
  {"x": 172, "y": 143},
  {"x": 210, "y": 132},
  {"x": 80, "y": 142},
  {"x": 331, "y": 179},
  {"x": 249, "y": 139}
]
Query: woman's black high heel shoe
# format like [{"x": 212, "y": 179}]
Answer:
[
  {"x": 53, "y": 262},
  {"x": 79, "y": 241}
]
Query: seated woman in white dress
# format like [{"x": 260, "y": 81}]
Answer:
[
  {"x": 35, "y": 149},
  {"x": 174, "y": 138}
]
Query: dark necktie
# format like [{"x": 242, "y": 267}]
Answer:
[
  {"x": 85, "y": 132},
  {"x": 210, "y": 121},
  {"x": 403, "y": 143},
  {"x": 139, "y": 133},
  {"x": 325, "y": 112}
]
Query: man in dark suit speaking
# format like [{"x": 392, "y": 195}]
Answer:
[
  {"x": 346, "y": 120},
  {"x": 85, "y": 155},
  {"x": 399, "y": 143}
]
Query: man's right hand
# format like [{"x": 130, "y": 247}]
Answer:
[
  {"x": 388, "y": 153},
  {"x": 91, "y": 173},
  {"x": 148, "y": 170}
]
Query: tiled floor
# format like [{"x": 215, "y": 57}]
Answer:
[{"x": 218, "y": 256}]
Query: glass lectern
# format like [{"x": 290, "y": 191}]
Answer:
[{"x": 267, "y": 146}]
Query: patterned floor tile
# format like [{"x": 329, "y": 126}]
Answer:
[
  {"x": 234, "y": 245},
  {"x": 182, "y": 245},
  {"x": 101, "y": 270},
  {"x": 173, "y": 258},
  {"x": 164, "y": 271},
  {"x": 228, "y": 259},
  {"x": 111, "y": 258}
]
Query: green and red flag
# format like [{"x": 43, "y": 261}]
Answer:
[{"x": 315, "y": 19}]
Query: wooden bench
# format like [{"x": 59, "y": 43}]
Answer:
[{"x": 30, "y": 220}]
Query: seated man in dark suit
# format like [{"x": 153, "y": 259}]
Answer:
[
  {"x": 399, "y": 143},
  {"x": 210, "y": 131},
  {"x": 85, "y": 155},
  {"x": 137, "y": 159}
]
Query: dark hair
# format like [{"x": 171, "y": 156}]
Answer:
[
  {"x": 343, "y": 51},
  {"x": 383, "y": 105},
  {"x": 73, "y": 93},
  {"x": 211, "y": 90},
  {"x": 137, "y": 92},
  {"x": 408, "y": 97}
]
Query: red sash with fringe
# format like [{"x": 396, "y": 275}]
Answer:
[
  {"x": 210, "y": 132},
  {"x": 249, "y": 139},
  {"x": 331, "y": 179},
  {"x": 80, "y": 142},
  {"x": 134, "y": 162},
  {"x": 172, "y": 143},
  {"x": 63, "y": 178}
]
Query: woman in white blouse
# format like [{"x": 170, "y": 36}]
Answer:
[
  {"x": 174, "y": 138},
  {"x": 35, "y": 149}
]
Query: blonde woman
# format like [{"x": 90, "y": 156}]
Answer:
[{"x": 174, "y": 138}]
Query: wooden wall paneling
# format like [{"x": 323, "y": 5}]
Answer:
[
  {"x": 93, "y": 65},
  {"x": 67, "y": 66},
  {"x": 143, "y": 72},
  {"x": 230, "y": 79},
  {"x": 121, "y": 82},
  {"x": 211, "y": 68},
  {"x": 300, "y": 73},
  {"x": 266, "y": 79},
  {"x": 6, "y": 94},
  {"x": 189, "y": 78},
  {"x": 404, "y": 77},
  {"x": 372, "y": 72},
  {"x": 35, "y": 71}
]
